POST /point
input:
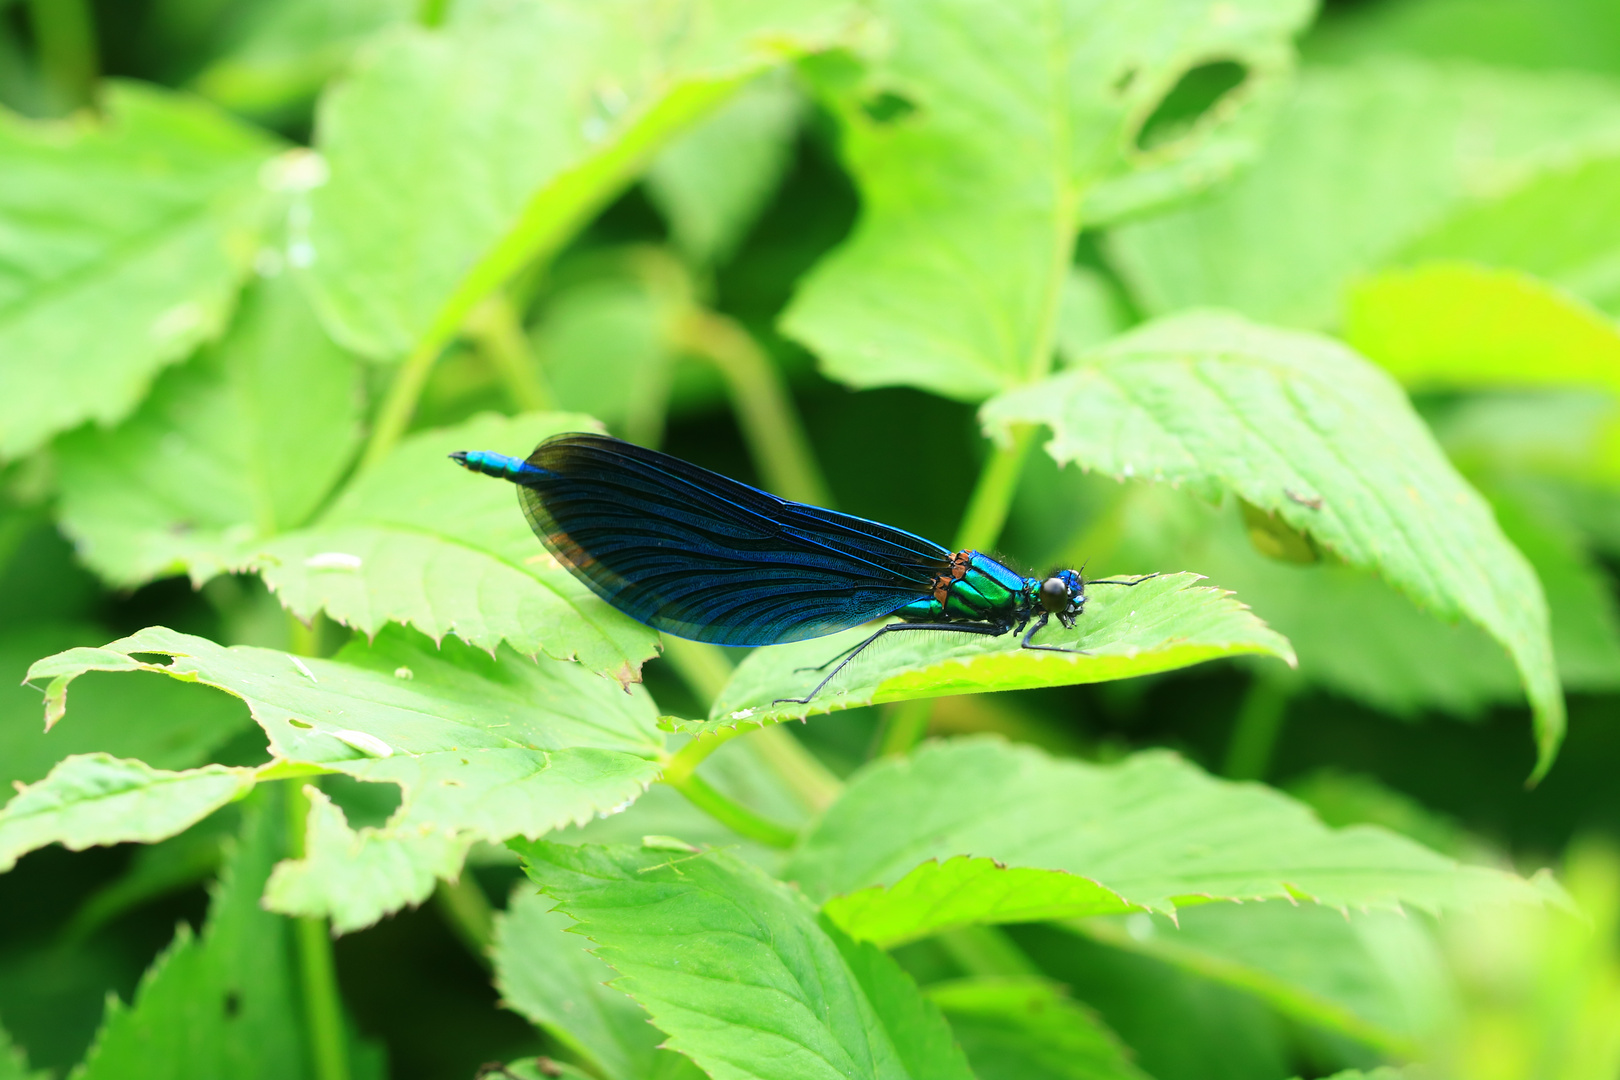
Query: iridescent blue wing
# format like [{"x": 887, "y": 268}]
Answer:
[{"x": 704, "y": 557}]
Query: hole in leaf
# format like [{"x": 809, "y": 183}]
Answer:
[
  {"x": 888, "y": 107},
  {"x": 363, "y": 803},
  {"x": 1194, "y": 94}
]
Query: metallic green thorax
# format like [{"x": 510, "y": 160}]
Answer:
[{"x": 975, "y": 587}]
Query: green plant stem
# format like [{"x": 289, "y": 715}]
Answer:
[
  {"x": 467, "y": 911},
  {"x": 323, "y": 1005},
  {"x": 706, "y": 669},
  {"x": 806, "y": 778},
  {"x": 992, "y": 496},
  {"x": 905, "y": 724},
  {"x": 399, "y": 405},
  {"x": 765, "y": 412},
  {"x": 497, "y": 332},
  {"x": 986, "y": 950},
  {"x": 730, "y": 813},
  {"x": 1259, "y": 722},
  {"x": 66, "y": 41}
]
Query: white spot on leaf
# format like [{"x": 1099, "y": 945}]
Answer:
[{"x": 333, "y": 560}]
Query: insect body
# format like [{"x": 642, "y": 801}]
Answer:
[{"x": 703, "y": 557}]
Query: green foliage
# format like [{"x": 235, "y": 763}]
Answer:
[
  {"x": 1153, "y": 831},
  {"x": 244, "y": 442},
  {"x": 553, "y": 979},
  {"x": 92, "y": 799},
  {"x": 1162, "y": 624},
  {"x": 416, "y": 541},
  {"x": 1310, "y": 434},
  {"x": 254, "y": 292},
  {"x": 532, "y": 117},
  {"x": 1029, "y": 1028},
  {"x": 976, "y": 174},
  {"x": 123, "y": 246},
  {"x": 738, "y": 970},
  {"x": 222, "y": 1002}
]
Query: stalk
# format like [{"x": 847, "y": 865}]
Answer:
[
  {"x": 1259, "y": 723},
  {"x": 764, "y": 408},
  {"x": 65, "y": 37},
  {"x": 317, "y": 971}
]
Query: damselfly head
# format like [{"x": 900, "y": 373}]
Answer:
[{"x": 1064, "y": 595}]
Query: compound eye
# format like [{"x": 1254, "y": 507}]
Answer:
[{"x": 1054, "y": 594}]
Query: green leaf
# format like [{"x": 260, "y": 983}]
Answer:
[
  {"x": 965, "y": 891},
  {"x": 1307, "y": 431},
  {"x": 1354, "y": 174},
  {"x": 121, "y": 245},
  {"x": 550, "y": 976},
  {"x": 607, "y": 351},
  {"x": 355, "y": 878},
  {"x": 1459, "y": 325},
  {"x": 982, "y": 139},
  {"x": 1028, "y": 1029},
  {"x": 164, "y": 725},
  {"x": 92, "y": 799},
  {"x": 1181, "y": 1026},
  {"x": 481, "y": 747},
  {"x": 1510, "y": 33},
  {"x": 1153, "y": 830},
  {"x": 243, "y": 443},
  {"x": 1159, "y": 625},
  {"x": 738, "y": 971},
  {"x": 1560, "y": 226},
  {"x": 1377, "y": 978},
  {"x": 1357, "y": 636},
  {"x": 481, "y": 147},
  {"x": 14, "y": 1063},
  {"x": 225, "y": 1003},
  {"x": 278, "y": 55},
  {"x": 417, "y": 540},
  {"x": 713, "y": 181}
]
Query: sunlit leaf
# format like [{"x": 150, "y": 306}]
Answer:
[
  {"x": 1463, "y": 326},
  {"x": 1153, "y": 830},
  {"x": 481, "y": 747},
  {"x": 982, "y": 140},
  {"x": 416, "y": 539},
  {"x": 121, "y": 246},
  {"x": 738, "y": 971},
  {"x": 1162, "y": 624},
  {"x": 355, "y": 878},
  {"x": 1306, "y": 430},
  {"x": 1353, "y": 174},
  {"x": 165, "y": 725},
  {"x": 92, "y": 799},
  {"x": 242, "y": 443},
  {"x": 483, "y": 145},
  {"x": 1510, "y": 33}
]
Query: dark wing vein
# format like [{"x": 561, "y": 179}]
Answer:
[{"x": 704, "y": 557}]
